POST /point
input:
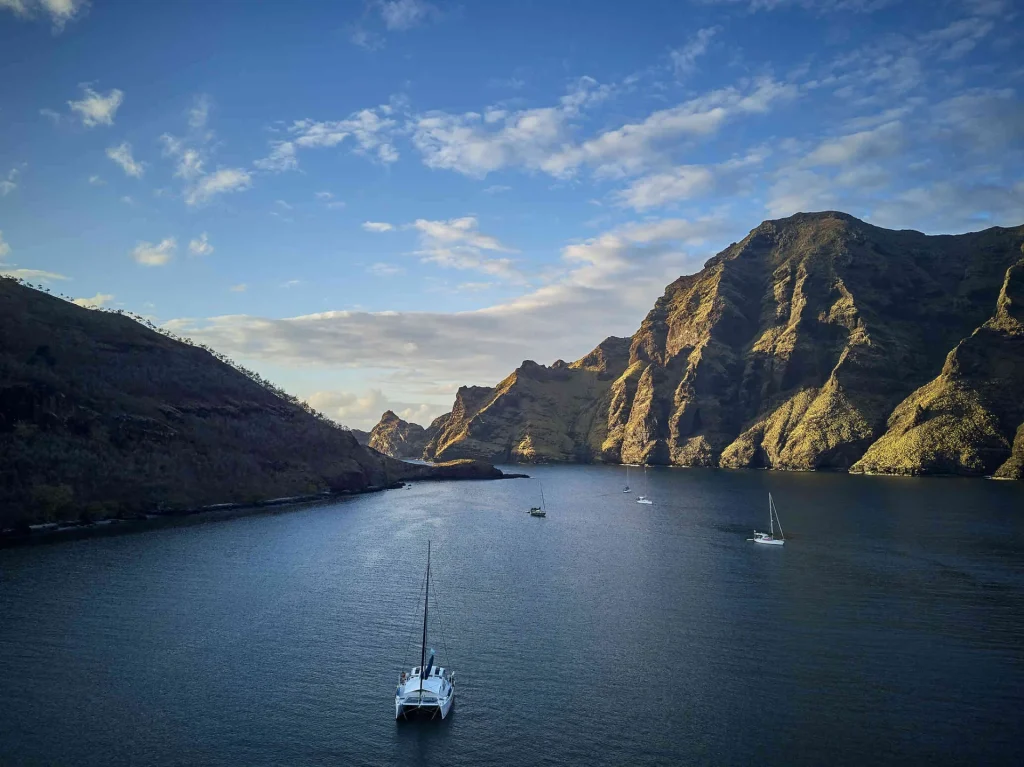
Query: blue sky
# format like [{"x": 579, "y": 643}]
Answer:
[{"x": 374, "y": 202}]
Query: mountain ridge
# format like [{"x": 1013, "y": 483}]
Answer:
[{"x": 793, "y": 348}]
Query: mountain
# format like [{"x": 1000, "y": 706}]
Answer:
[
  {"x": 362, "y": 437},
  {"x": 817, "y": 342},
  {"x": 101, "y": 416},
  {"x": 397, "y": 438}
]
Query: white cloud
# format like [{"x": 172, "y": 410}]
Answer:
[
  {"x": 96, "y": 109},
  {"x": 370, "y": 130},
  {"x": 363, "y": 410},
  {"x": 377, "y": 226},
  {"x": 336, "y": 205},
  {"x": 8, "y": 270},
  {"x": 59, "y": 11},
  {"x": 883, "y": 141},
  {"x": 384, "y": 270},
  {"x": 200, "y": 246},
  {"x": 958, "y": 38},
  {"x": 636, "y": 146},
  {"x": 122, "y": 155},
  {"x": 684, "y": 60},
  {"x": 5, "y": 248},
  {"x": 281, "y": 158},
  {"x": 282, "y": 204},
  {"x": 606, "y": 286},
  {"x": 476, "y": 144},
  {"x": 96, "y": 181},
  {"x": 127, "y": 200},
  {"x": 49, "y": 113},
  {"x": 540, "y": 139},
  {"x": 680, "y": 183},
  {"x": 497, "y": 189},
  {"x": 148, "y": 254},
  {"x": 324, "y": 195},
  {"x": 457, "y": 231},
  {"x": 239, "y": 288},
  {"x": 9, "y": 184},
  {"x": 100, "y": 299},
  {"x": 221, "y": 181},
  {"x": 200, "y": 112},
  {"x": 364, "y": 38},
  {"x": 459, "y": 244},
  {"x": 404, "y": 14}
]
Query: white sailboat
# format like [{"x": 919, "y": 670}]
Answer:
[
  {"x": 773, "y": 519},
  {"x": 643, "y": 498},
  {"x": 426, "y": 689},
  {"x": 538, "y": 511},
  {"x": 626, "y": 488}
]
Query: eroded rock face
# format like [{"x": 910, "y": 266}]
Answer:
[
  {"x": 397, "y": 438},
  {"x": 792, "y": 349},
  {"x": 967, "y": 420}
]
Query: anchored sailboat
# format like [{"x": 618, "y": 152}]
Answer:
[
  {"x": 538, "y": 511},
  {"x": 643, "y": 498},
  {"x": 426, "y": 689},
  {"x": 773, "y": 519}
]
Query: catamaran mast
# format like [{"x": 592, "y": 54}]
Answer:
[{"x": 426, "y": 604}]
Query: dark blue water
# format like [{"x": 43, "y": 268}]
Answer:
[{"x": 889, "y": 629}]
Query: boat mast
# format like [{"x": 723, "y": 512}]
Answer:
[
  {"x": 426, "y": 603},
  {"x": 542, "y": 503},
  {"x": 781, "y": 534},
  {"x": 771, "y": 521}
]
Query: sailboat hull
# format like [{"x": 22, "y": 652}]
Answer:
[
  {"x": 769, "y": 541},
  {"x": 413, "y": 710}
]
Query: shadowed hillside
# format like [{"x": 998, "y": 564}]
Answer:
[{"x": 101, "y": 416}]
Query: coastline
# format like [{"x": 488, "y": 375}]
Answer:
[{"x": 57, "y": 532}]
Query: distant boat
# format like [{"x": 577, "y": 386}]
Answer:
[
  {"x": 538, "y": 511},
  {"x": 643, "y": 498},
  {"x": 626, "y": 488},
  {"x": 426, "y": 689},
  {"x": 773, "y": 519}
]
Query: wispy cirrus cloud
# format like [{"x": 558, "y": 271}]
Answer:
[
  {"x": 10, "y": 182},
  {"x": 122, "y": 155},
  {"x": 684, "y": 59}
]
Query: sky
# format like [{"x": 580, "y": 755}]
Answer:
[{"x": 373, "y": 203}]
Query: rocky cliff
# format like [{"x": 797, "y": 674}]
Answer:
[
  {"x": 101, "y": 416},
  {"x": 817, "y": 342},
  {"x": 397, "y": 438}
]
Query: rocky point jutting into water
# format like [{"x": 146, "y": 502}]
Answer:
[
  {"x": 817, "y": 342},
  {"x": 102, "y": 417}
]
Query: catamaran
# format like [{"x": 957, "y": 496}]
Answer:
[
  {"x": 626, "y": 488},
  {"x": 426, "y": 689},
  {"x": 538, "y": 511},
  {"x": 643, "y": 498},
  {"x": 773, "y": 519}
]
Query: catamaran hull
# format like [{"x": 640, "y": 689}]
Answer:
[
  {"x": 769, "y": 542},
  {"x": 426, "y": 711},
  {"x": 646, "y": 503}
]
